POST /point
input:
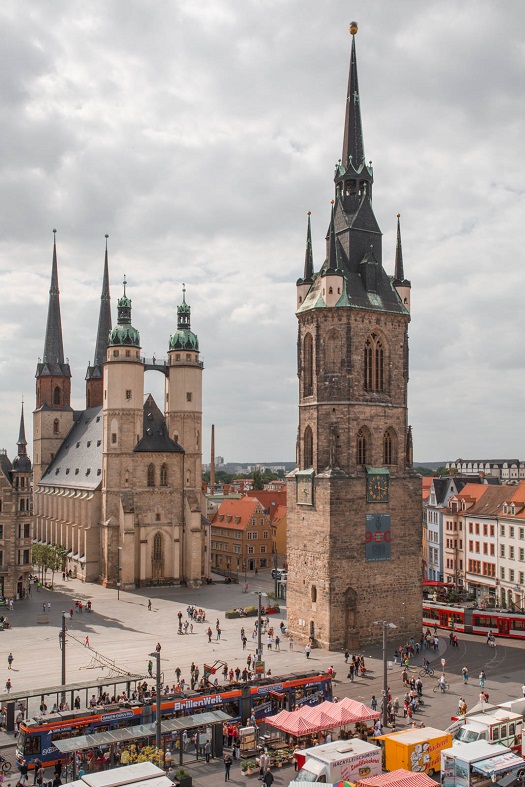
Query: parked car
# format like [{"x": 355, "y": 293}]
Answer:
[{"x": 281, "y": 573}]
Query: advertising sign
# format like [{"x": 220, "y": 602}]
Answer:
[{"x": 377, "y": 537}]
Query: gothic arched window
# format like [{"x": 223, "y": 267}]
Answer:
[
  {"x": 22, "y": 505},
  {"x": 57, "y": 395},
  {"x": 164, "y": 475},
  {"x": 157, "y": 548},
  {"x": 389, "y": 447},
  {"x": 362, "y": 446},
  {"x": 151, "y": 475},
  {"x": 374, "y": 364},
  {"x": 308, "y": 449},
  {"x": 308, "y": 365},
  {"x": 56, "y": 426}
]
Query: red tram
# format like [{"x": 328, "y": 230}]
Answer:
[{"x": 455, "y": 617}]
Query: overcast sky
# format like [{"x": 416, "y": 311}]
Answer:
[{"x": 199, "y": 134}]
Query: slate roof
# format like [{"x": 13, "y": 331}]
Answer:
[
  {"x": 155, "y": 437},
  {"x": 6, "y": 466},
  {"x": 78, "y": 462}
]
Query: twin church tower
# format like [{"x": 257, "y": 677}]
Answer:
[
  {"x": 354, "y": 501},
  {"x": 118, "y": 484}
]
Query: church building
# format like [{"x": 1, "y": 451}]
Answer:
[
  {"x": 354, "y": 500},
  {"x": 118, "y": 484}
]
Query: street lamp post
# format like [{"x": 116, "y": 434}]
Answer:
[
  {"x": 118, "y": 572},
  {"x": 62, "y": 636},
  {"x": 275, "y": 556},
  {"x": 158, "y": 719},
  {"x": 386, "y": 625}
]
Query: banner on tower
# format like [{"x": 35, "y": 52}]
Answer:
[{"x": 377, "y": 537}]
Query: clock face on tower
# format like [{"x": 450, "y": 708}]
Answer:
[
  {"x": 304, "y": 490},
  {"x": 377, "y": 488}
]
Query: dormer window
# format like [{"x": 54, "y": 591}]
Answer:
[{"x": 505, "y": 508}]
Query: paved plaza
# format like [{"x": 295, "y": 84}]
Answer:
[{"x": 125, "y": 631}]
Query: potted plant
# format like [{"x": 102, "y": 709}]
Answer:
[{"x": 183, "y": 777}]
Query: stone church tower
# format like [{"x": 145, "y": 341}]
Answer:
[
  {"x": 118, "y": 484},
  {"x": 354, "y": 501}
]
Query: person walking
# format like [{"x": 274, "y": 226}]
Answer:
[
  {"x": 464, "y": 672},
  {"x": 482, "y": 678},
  {"x": 277, "y": 642},
  {"x": 207, "y": 750},
  {"x": 227, "y": 765},
  {"x": 373, "y": 702},
  {"x": 8, "y": 685},
  {"x": 150, "y": 668},
  {"x": 149, "y": 605},
  {"x": 40, "y": 776},
  {"x": 209, "y": 633},
  {"x": 86, "y": 642},
  {"x": 10, "y": 660},
  {"x": 268, "y": 778},
  {"x": 290, "y": 646},
  {"x": 307, "y": 650}
]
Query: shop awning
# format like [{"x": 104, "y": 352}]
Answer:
[
  {"x": 432, "y": 583},
  {"x": 501, "y": 763}
]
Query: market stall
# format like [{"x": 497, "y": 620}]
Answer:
[{"x": 399, "y": 778}]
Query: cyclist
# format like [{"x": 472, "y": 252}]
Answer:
[
  {"x": 443, "y": 682},
  {"x": 426, "y": 666}
]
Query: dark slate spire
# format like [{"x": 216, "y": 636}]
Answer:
[
  {"x": 22, "y": 463},
  {"x": 22, "y": 442},
  {"x": 399, "y": 274},
  {"x": 308, "y": 257},
  {"x": 53, "y": 346},
  {"x": 104, "y": 324},
  {"x": 353, "y": 146}
]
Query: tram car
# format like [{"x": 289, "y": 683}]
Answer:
[
  {"x": 454, "y": 617},
  {"x": 262, "y": 698}
]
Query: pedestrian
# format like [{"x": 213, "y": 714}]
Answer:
[
  {"x": 8, "y": 685},
  {"x": 10, "y": 661},
  {"x": 277, "y": 643},
  {"x": 227, "y": 765},
  {"x": 40, "y": 776},
  {"x": 71, "y": 614},
  {"x": 209, "y": 633},
  {"x": 37, "y": 766},
  {"x": 268, "y": 778},
  {"x": 158, "y": 647},
  {"x": 150, "y": 668},
  {"x": 373, "y": 702},
  {"x": 218, "y": 632},
  {"x": 482, "y": 678},
  {"x": 44, "y": 607},
  {"x": 49, "y": 606},
  {"x": 465, "y": 675},
  {"x": 86, "y": 642},
  {"x": 207, "y": 750},
  {"x": 523, "y": 689},
  {"x": 23, "y": 772},
  {"x": 307, "y": 650},
  {"x": 290, "y": 646},
  {"x": 149, "y": 605},
  {"x": 351, "y": 670}
]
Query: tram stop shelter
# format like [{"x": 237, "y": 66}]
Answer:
[
  {"x": 141, "y": 774},
  {"x": 177, "y": 738}
]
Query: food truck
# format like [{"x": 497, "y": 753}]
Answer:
[
  {"x": 339, "y": 761},
  {"x": 416, "y": 750},
  {"x": 477, "y": 764},
  {"x": 497, "y": 725}
]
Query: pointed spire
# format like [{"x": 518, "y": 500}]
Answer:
[
  {"x": 409, "y": 450},
  {"x": 308, "y": 257},
  {"x": 22, "y": 442},
  {"x": 399, "y": 274},
  {"x": 333, "y": 251},
  {"x": 353, "y": 146},
  {"x": 104, "y": 319},
  {"x": 53, "y": 345}
]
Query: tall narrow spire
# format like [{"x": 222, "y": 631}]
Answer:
[
  {"x": 104, "y": 319},
  {"x": 22, "y": 442},
  {"x": 353, "y": 146},
  {"x": 53, "y": 346},
  {"x": 308, "y": 257},
  {"x": 399, "y": 274}
]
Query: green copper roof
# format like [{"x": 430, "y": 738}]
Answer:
[
  {"x": 184, "y": 338},
  {"x": 124, "y": 333}
]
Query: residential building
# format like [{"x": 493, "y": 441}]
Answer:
[
  {"x": 481, "y": 542},
  {"x": 241, "y": 536},
  {"x": 507, "y": 470},
  {"x": 15, "y": 520}
]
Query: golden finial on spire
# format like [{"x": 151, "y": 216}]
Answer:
[
  {"x": 309, "y": 213},
  {"x": 331, "y": 202},
  {"x": 399, "y": 215},
  {"x": 353, "y": 28}
]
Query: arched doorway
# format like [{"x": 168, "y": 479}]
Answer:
[{"x": 157, "y": 558}]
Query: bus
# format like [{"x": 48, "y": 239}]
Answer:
[{"x": 262, "y": 698}]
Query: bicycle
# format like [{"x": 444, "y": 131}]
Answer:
[
  {"x": 6, "y": 766},
  {"x": 443, "y": 687},
  {"x": 426, "y": 673}
]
